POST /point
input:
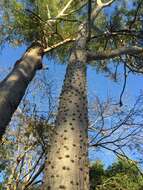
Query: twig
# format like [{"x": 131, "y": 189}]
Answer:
[
  {"x": 124, "y": 85},
  {"x": 136, "y": 14},
  {"x": 34, "y": 177},
  {"x": 89, "y": 18}
]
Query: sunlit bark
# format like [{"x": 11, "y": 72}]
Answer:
[{"x": 13, "y": 87}]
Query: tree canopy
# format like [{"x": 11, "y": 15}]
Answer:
[
  {"x": 55, "y": 22},
  {"x": 123, "y": 174}
]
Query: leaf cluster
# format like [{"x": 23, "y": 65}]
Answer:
[{"x": 121, "y": 175}]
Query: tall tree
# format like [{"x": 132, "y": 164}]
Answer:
[
  {"x": 13, "y": 87},
  {"x": 97, "y": 37}
]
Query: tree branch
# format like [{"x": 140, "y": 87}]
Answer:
[
  {"x": 136, "y": 14},
  {"x": 122, "y": 32},
  {"x": 76, "y": 10},
  {"x": 34, "y": 177},
  {"x": 108, "y": 54},
  {"x": 35, "y": 15},
  {"x": 59, "y": 44},
  {"x": 89, "y": 18},
  {"x": 100, "y": 6},
  {"x": 64, "y": 9},
  {"x": 124, "y": 84}
]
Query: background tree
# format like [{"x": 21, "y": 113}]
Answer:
[
  {"x": 26, "y": 142},
  {"x": 27, "y": 138},
  {"x": 96, "y": 174},
  {"x": 121, "y": 175}
]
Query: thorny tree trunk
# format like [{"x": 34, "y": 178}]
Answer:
[
  {"x": 67, "y": 163},
  {"x": 13, "y": 87}
]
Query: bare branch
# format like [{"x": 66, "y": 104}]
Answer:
[
  {"x": 59, "y": 44},
  {"x": 124, "y": 84},
  {"x": 102, "y": 55},
  {"x": 48, "y": 10},
  {"x": 64, "y": 9},
  {"x": 35, "y": 176},
  {"x": 100, "y": 3},
  {"x": 76, "y": 10},
  {"x": 35, "y": 15},
  {"x": 100, "y": 6}
]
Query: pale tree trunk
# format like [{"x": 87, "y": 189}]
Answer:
[
  {"x": 13, "y": 87},
  {"x": 67, "y": 158},
  {"x": 67, "y": 162}
]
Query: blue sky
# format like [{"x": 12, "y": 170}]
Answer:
[{"x": 98, "y": 84}]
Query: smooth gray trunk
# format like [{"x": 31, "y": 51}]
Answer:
[{"x": 13, "y": 87}]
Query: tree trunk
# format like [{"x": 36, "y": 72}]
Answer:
[
  {"x": 13, "y": 87},
  {"x": 67, "y": 163}
]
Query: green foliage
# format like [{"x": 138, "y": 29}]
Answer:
[
  {"x": 6, "y": 152},
  {"x": 96, "y": 174},
  {"x": 123, "y": 166},
  {"x": 23, "y": 22},
  {"x": 121, "y": 175},
  {"x": 34, "y": 20},
  {"x": 120, "y": 182}
]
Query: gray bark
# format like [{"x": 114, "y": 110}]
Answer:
[
  {"x": 107, "y": 54},
  {"x": 67, "y": 163},
  {"x": 13, "y": 87}
]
